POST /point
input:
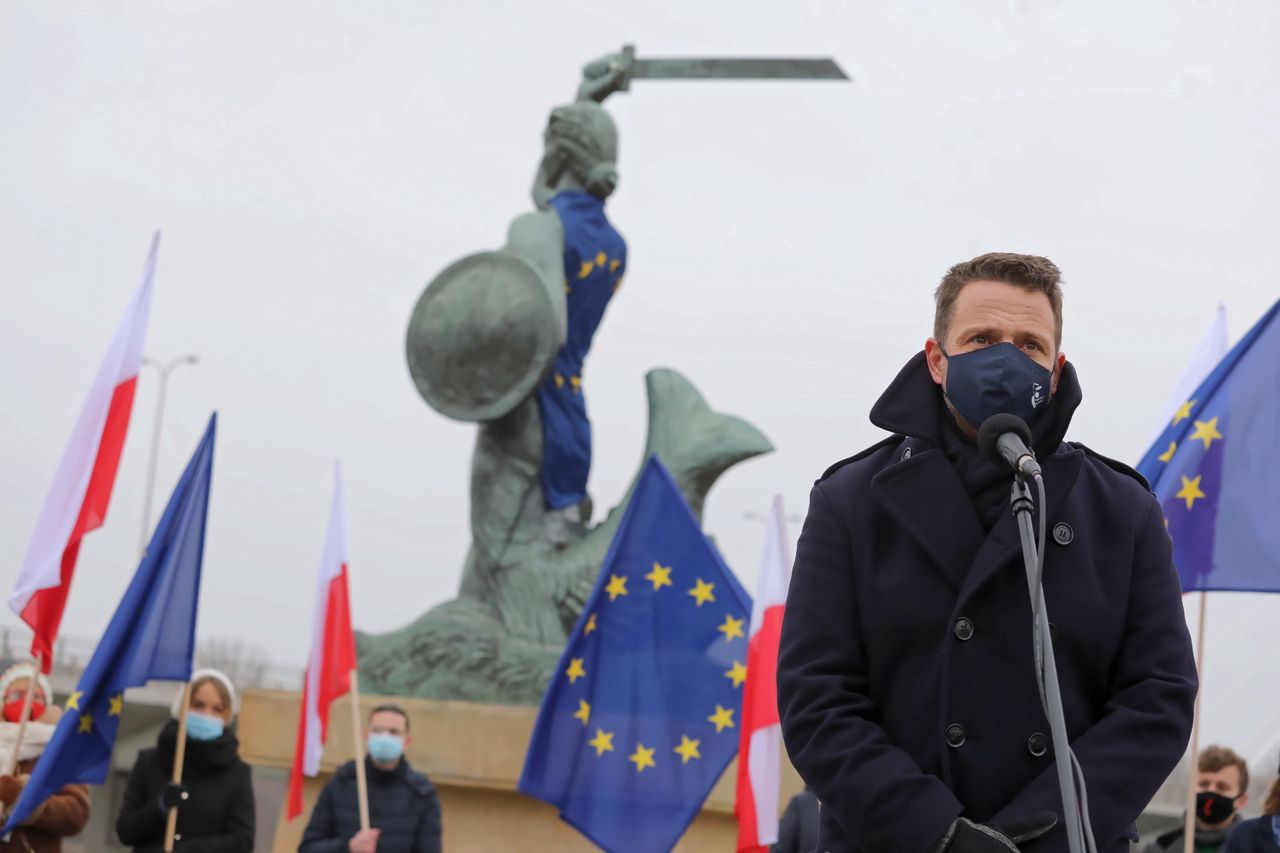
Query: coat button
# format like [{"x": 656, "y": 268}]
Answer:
[
  {"x": 1037, "y": 745},
  {"x": 906, "y": 454},
  {"x": 964, "y": 628},
  {"x": 1062, "y": 533},
  {"x": 955, "y": 735}
]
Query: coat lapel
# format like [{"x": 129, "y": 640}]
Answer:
[
  {"x": 924, "y": 495},
  {"x": 1002, "y": 546}
]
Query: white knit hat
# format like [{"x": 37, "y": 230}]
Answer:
[
  {"x": 25, "y": 670},
  {"x": 176, "y": 708}
]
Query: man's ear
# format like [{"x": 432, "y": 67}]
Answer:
[
  {"x": 936, "y": 360},
  {"x": 1241, "y": 801},
  {"x": 1058, "y": 364}
]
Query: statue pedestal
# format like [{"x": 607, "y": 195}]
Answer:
[{"x": 473, "y": 754}]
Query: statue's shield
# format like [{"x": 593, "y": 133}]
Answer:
[{"x": 482, "y": 336}]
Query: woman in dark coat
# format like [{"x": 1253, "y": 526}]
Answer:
[
  {"x": 215, "y": 799},
  {"x": 1262, "y": 834}
]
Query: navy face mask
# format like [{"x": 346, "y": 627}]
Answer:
[{"x": 994, "y": 380}]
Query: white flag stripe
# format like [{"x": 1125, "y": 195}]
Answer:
[
  {"x": 1212, "y": 349},
  {"x": 331, "y": 561},
  {"x": 42, "y": 565},
  {"x": 775, "y": 568},
  {"x": 765, "y": 768}
]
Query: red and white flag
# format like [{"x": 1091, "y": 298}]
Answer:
[
  {"x": 77, "y": 500},
  {"x": 333, "y": 651},
  {"x": 760, "y": 741}
]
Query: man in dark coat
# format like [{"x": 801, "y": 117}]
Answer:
[
  {"x": 404, "y": 810},
  {"x": 906, "y": 681}
]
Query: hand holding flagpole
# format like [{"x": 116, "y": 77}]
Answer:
[{"x": 179, "y": 758}]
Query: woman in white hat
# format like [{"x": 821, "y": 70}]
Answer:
[
  {"x": 215, "y": 799},
  {"x": 67, "y": 811}
]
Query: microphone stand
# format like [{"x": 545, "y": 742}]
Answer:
[{"x": 1046, "y": 666}]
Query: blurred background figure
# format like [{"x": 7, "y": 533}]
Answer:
[
  {"x": 798, "y": 831},
  {"x": 1262, "y": 834},
  {"x": 66, "y": 812},
  {"x": 215, "y": 799},
  {"x": 1222, "y": 781}
]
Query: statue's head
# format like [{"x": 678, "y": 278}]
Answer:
[{"x": 580, "y": 152}]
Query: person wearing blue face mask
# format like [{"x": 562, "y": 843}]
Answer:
[
  {"x": 404, "y": 809},
  {"x": 906, "y": 676},
  {"x": 215, "y": 799}
]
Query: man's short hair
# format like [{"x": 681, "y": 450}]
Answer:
[
  {"x": 1217, "y": 758},
  {"x": 394, "y": 709},
  {"x": 1030, "y": 272}
]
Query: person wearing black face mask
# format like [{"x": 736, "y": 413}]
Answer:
[
  {"x": 1222, "y": 778},
  {"x": 906, "y": 678}
]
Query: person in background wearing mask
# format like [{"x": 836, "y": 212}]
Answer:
[
  {"x": 66, "y": 812},
  {"x": 906, "y": 676},
  {"x": 404, "y": 811},
  {"x": 1221, "y": 781},
  {"x": 215, "y": 799},
  {"x": 1262, "y": 834}
]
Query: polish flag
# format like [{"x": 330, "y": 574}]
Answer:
[
  {"x": 760, "y": 741},
  {"x": 333, "y": 651},
  {"x": 77, "y": 500}
]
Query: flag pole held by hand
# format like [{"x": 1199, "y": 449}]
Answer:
[
  {"x": 362, "y": 786},
  {"x": 179, "y": 756}
]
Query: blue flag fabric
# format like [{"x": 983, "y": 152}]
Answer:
[
  {"x": 151, "y": 636},
  {"x": 641, "y": 717},
  {"x": 1216, "y": 470}
]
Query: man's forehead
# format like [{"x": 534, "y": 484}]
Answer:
[
  {"x": 995, "y": 303},
  {"x": 387, "y": 719}
]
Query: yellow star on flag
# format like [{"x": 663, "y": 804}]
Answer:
[
  {"x": 687, "y": 749},
  {"x": 601, "y": 259},
  {"x": 1168, "y": 454},
  {"x": 86, "y": 724},
  {"x": 702, "y": 592},
  {"x": 722, "y": 719},
  {"x": 559, "y": 381},
  {"x": 586, "y": 269},
  {"x": 660, "y": 576},
  {"x": 603, "y": 742},
  {"x": 73, "y": 701},
  {"x": 731, "y": 628},
  {"x": 575, "y": 670},
  {"x": 117, "y": 705},
  {"x": 614, "y": 264},
  {"x": 1190, "y": 491},
  {"x": 642, "y": 757},
  {"x": 617, "y": 586},
  {"x": 591, "y": 625},
  {"x": 737, "y": 673},
  {"x": 617, "y": 284},
  {"x": 1184, "y": 412},
  {"x": 1206, "y": 431},
  {"x": 584, "y": 711}
]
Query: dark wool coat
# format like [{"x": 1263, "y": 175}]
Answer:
[
  {"x": 906, "y": 683},
  {"x": 218, "y": 816},
  {"x": 402, "y": 803},
  {"x": 1260, "y": 835}
]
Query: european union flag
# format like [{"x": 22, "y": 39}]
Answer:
[
  {"x": 641, "y": 717},
  {"x": 1216, "y": 470},
  {"x": 152, "y": 635}
]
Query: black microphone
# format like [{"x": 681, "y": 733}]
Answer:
[{"x": 1004, "y": 438}]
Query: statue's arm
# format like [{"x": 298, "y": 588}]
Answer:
[{"x": 538, "y": 239}]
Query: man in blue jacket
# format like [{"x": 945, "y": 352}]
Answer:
[
  {"x": 906, "y": 681},
  {"x": 404, "y": 811}
]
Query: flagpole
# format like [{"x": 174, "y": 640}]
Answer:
[
  {"x": 36, "y": 666},
  {"x": 362, "y": 787},
  {"x": 1189, "y": 828},
  {"x": 179, "y": 756}
]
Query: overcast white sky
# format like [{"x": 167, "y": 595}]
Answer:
[{"x": 313, "y": 164}]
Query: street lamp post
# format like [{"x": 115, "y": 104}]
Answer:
[{"x": 164, "y": 370}]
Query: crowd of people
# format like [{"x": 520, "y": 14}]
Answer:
[{"x": 214, "y": 801}]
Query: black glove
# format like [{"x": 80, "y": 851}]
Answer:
[
  {"x": 965, "y": 836},
  {"x": 172, "y": 796}
]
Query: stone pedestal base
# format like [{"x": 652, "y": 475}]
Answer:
[{"x": 473, "y": 754}]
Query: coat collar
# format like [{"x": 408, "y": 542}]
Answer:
[{"x": 920, "y": 486}]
